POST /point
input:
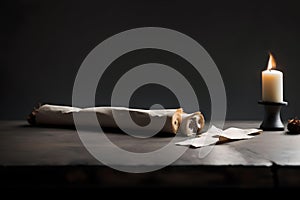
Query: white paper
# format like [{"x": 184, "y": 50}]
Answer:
[
  {"x": 239, "y": 134},
  {"x": 214, "y": 135},
  {"x": 172, "y": 119}
]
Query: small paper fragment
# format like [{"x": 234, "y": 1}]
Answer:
[
  {"x": 214, "y": 135},
  {"x": 239, "y": 134},
  {"x": 207, "y": 138}
]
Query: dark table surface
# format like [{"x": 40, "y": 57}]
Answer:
[{"x": 52, "y": 157}]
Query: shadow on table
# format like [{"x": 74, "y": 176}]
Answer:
[{"x": 96, "y": 129}]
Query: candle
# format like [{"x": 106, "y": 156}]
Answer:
[{"x": 272, "y": 83}]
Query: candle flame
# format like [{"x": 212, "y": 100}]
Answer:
[{"x": 271, "y": 63}]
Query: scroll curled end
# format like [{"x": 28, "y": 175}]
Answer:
[
  {"x": 201, "y": 121},
  {"x": 176, "y": 120},
  {"x": 192, "y": 124},
  {"x": 31, "y": 118}
]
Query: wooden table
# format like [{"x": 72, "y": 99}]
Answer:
[{"x": 36, "y": 157}]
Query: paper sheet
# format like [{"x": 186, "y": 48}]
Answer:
[
  {"x": 215, "y": 135},
  {"x": 173, "y": 119}
]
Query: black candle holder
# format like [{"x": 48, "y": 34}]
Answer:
[{"x": 272, "y": 120}]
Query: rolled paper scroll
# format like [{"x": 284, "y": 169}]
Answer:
[{"x": 56, "y": 115}]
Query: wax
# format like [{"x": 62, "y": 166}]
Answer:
[
  {"x": 272, "y": 86},
  {"x": 272, "y": 83}
]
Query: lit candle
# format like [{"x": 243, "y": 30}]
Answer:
[{"x": 272, "y": 83}]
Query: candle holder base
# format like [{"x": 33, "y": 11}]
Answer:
[{"x": 272, "y": 120}]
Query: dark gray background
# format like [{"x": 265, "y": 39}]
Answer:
[{"x": 44, "y": 42}]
